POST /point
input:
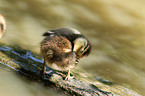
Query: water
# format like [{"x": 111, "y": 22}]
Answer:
[
  {"x": 15, "y": 85},
  {"x": 115, "y": 28}
]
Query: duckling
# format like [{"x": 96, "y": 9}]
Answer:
[
  {"x": 2, "y": 25},
  {"x": 62, "y": 48}
]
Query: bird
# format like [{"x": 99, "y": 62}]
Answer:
[
  {"x": 62, "y": 49},
  {"x": 2, "y": 25}
]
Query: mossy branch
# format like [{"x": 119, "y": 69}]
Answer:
[{"x": 83, "y": 83}]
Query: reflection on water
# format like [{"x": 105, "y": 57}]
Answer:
[
  {"x": 115, "y": 28},
  {"x": 13, "y": 85}
]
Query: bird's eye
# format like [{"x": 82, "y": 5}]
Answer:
[{"x": 85, "y": 48}]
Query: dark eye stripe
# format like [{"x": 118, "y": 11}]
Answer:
[{"x": 85, "y": 49}]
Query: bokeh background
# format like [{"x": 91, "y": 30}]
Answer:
[{"x": 115, "y": 28}]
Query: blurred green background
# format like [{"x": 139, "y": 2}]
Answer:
[{"x": 115, "y": 28}]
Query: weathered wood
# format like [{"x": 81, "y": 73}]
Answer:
[{"x": 83, "y": 83}]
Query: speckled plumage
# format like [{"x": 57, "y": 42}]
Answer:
[
  {"x": 63, "y": 47},
  {"x": 57, "y": 50}
]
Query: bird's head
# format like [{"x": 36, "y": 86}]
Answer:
[{"x": 81, "y": 47}]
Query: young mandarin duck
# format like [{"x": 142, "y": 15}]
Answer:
[
  {"x": 2, "y": 25},
  {"x": 62, "y": 48}
]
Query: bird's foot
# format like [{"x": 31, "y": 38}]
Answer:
[
  {"x": 65, "y": 77},
  {"x": 69, "y": 77}
]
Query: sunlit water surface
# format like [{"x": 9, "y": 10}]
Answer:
[{"x": 115, "y": 29}]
